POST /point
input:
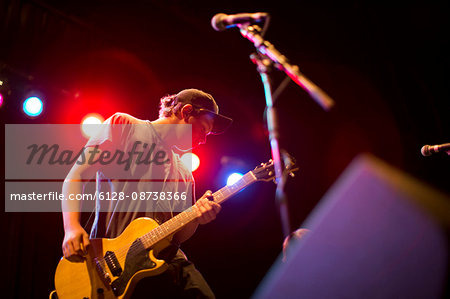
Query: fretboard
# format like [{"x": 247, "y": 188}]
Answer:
[{"x": 179, "y": 221}]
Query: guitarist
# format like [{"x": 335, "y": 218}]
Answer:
[{"x": 122, "y": 133}]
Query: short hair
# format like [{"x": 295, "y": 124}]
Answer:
[
  {"x": 201, "y": 102},
  {"x": 169, "y": 106}
]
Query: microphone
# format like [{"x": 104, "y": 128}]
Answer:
[
  {"x": 428, "y": 150},
  {"x": 221, "y": 21}
]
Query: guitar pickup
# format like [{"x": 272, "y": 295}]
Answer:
[{"x": 113, "y": 263}]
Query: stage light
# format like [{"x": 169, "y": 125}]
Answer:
[
  {"x": 191, "y": 161},
  {"x": 1, "y": 99},
  {"x": 233, "y": 178},
  {"x": 90, "y": 125},
  {"x": 33, "y": 106}
]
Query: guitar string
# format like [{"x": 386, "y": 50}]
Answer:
[
  {"x": 156, "y": 234},
  {"x": 157, "y": 237}
]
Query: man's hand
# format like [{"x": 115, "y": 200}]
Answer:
[
  {"x": 207, "y": 209},
  {"x": 75, "y": 244}
]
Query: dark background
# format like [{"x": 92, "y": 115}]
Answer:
[{"x": 386, "y": 65}]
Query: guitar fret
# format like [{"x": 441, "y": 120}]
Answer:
[{"x": 170, "y": 226}]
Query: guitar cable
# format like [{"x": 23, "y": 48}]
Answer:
[{"x": 51, "y": 295}]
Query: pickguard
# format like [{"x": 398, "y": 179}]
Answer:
[{"x": 137, "y": 259}]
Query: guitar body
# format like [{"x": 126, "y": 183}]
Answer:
[{"x": 112, "y": 267}]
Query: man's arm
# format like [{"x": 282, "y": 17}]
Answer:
[{"x": 76, "y": 239}]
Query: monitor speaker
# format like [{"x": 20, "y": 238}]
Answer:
[{"x": 377, "y": 233}]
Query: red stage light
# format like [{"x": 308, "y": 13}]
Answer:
[
  {"x": 191, "y": 161},
  {"x": 90, "y": 125}
]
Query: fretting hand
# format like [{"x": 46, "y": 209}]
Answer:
[{"x": 207, "y": 208}]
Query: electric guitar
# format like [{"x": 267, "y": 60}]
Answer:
[{"x": 112, "y": 267}]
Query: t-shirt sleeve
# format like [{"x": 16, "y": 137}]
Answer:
[{"x": 111, "y": 131}]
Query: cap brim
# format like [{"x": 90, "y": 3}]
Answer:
[{"x": 221, "y": 122}]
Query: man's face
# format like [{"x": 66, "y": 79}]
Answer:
[{"x": 201, "y": 127}]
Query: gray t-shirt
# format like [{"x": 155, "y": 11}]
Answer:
[{"x": 140, "y": 181}]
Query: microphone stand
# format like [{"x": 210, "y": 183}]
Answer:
[
  {"x": 265, "y": 48},
  {"x": 266, "y": 58}
]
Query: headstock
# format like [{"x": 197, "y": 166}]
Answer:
[{"x": 266, "y": 171}]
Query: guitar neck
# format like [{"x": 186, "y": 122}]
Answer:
[{"x": 179, "y": 221}]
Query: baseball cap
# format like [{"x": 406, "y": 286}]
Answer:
[{"x": 204, "y": 103}]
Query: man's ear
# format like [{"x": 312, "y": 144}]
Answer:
[{"x": 186, "y": 111}]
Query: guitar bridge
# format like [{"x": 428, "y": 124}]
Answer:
[{"x": 102, "y": 273}]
